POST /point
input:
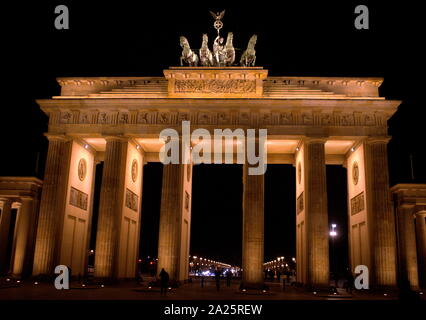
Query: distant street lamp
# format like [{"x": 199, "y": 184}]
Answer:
[
  {"x": 333, "y": 234},
  {"x": 333, "y": 231}
]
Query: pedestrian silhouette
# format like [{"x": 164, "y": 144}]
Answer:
[
  {"x": 349, "y": 282},
  {"x": 271, "y": 275},
  {"x": 217, "y": 277},
  {"x": 139, "y": 278},
  {"x": 228, "y": 278},
  {"x": 164, "y": 281}
]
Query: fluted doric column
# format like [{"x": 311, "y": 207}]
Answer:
[
  {"x": 253, "y": 229},
  {"x": 381, "y": 218},
  {"x": 52, "y": 206},
  {"x": 175, "y": 220},
  {"x": 24, "y": 237},
  {"x": 421, "y": 246},
  {"x": 110, "y": 205},
  {"x": 316, "y": 214},
  {"x": 407, "y": 245},
  {"x": 5, "y": 208},
  {"x": 170, "y": 215}
]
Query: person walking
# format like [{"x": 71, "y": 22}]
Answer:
[
  {"x": 349, "y": 281},
  {"x": 228, "y": 278},
  {"x": 271, "y": 275},
  {"x": 164, "y": 281},
  {"x": 335, "y": 276},
  {"x": 217, "y": 278}
]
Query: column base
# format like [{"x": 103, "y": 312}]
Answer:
[
  {"x": 319, "y": 288},
  {"x": 17, "y": 276},
  {"x": 384, "y": 289},
  {"x": 106, "y": 281},
  {"x": 44, "y": 277},
  {"x": 253, "y": 286}
]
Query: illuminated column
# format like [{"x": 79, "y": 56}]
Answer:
[
  {"x": 380, "y": 216},
  {"x": 407, "y": 245},
  {"x": 24, "y": 237},
  {"x": 110, "y": 207},
  {"x": 316, "y": 215},
  {"x": 5, "y": 208},
  {"x": 77, "y": 209},
  {"x": 52, "y": 205},
  {"x": 175, "y": 219},
  {"x": 117, "y": 239},
  {"x": 253, "y": 229},
  {"x": 312, "y": 254},
  {"x": 421, "y": 246},
  {"x": 128, "y": 240}
]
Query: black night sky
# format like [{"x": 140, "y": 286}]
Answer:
[{"x": 132, "y": 38}]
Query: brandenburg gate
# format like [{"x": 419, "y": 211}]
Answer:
[{"x": 310, "y": 122}]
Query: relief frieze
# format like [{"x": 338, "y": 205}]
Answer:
[
  {"x": 220, "y": 117},
  {"x": 215, "y": 86}
]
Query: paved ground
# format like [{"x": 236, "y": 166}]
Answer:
[{"x": 28, "y": 290}]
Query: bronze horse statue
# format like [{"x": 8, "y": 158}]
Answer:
[
  {"x": 248, "y": 58},
  {"x": 206, "y": 56},
  {"x": 189, "y": 56},
  {"x": 229, "y": 50}
]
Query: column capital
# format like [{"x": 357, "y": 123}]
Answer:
[
  {"x": 25, "y": 198},
  {"x": 3, "y": 201},
  {"x": 311, "y": 139},
  {"x": 379, "y": 139},
  {"x": 16, "y": 205},
  {"x": 421, "y": 213},
  {"x": 407, "y": 206},
  {"x": 116, "y": 138},
  {"x": 57, "y": 137}
]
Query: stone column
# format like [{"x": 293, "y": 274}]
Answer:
[
  {"x": 52, "y": 206},
  {"x": 381, "y": 218},
  {"x": 253, "y": 230},
  {"x": 169, "y": 244},
  {"x": 110, "y": 205},
  {"x": 407, "y": 245},
  {"x": 421, "y": 246},
  {"x": 5, "y": 207},
  {"x": 22, "y": 244},
  {"x": 316, "y": 214}
]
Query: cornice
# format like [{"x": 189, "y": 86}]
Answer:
[{"x": 190, "y": 103}]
